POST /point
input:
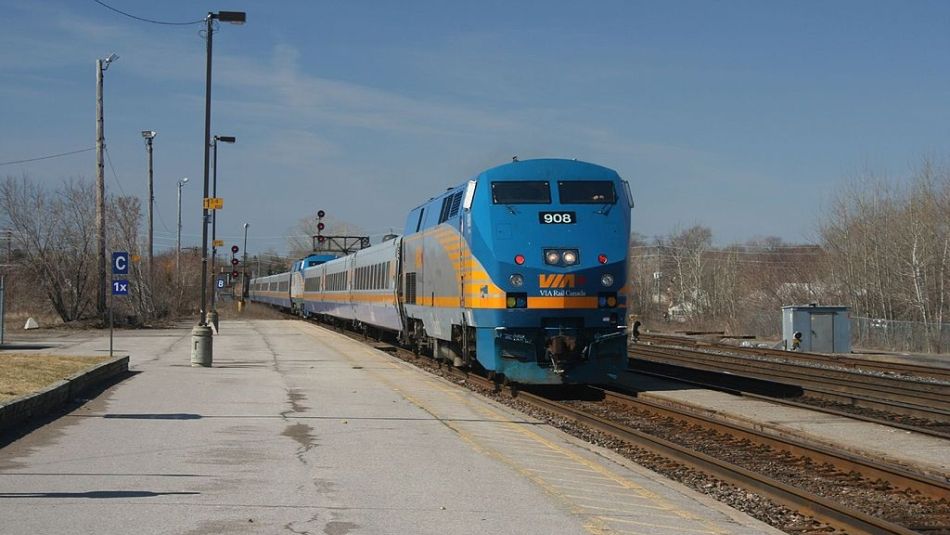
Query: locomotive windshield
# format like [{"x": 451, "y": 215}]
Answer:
[
  {"x": 521, "y": 192},
  {"x": 586, "y": 192}
]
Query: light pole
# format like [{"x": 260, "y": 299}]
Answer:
[
  {"x": 101, "y": 66},
  {"x": 214, "y": 214},
  {"x": 201, "y": 353},
  {"x": 181, "y": 183},
  {"x": 149, "y": 135},
  {"x": 244, "y": 276}
]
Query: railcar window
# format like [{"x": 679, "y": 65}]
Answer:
[
  {"x": 586, "y": 192},
  {"x": 521, "y": 192},
  {"x": 422, "y": 212}
]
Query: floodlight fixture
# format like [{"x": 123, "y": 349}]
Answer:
[
  {"x": 107, "y": 61},
  {"x": 232, "y": 17}
]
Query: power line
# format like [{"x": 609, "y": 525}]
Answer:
[
  {"x": 48, "y": 157},
  {"x": 107, "y": 6},
  {"x": 115, "y": 176}
]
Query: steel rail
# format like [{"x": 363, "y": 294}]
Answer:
[
  {"x": 871, "y": 469},
  {"x": 796, "y": 404},
  {"x": 934, "y": 406},
  {"x": 929, "y": 391},
  {"x": 916, "y": 370},
  {"x": 825, "y": 510}
]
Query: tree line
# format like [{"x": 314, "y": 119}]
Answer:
[{"x": 883, "y": 251}]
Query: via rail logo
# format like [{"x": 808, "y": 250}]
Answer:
[{"x": 560, "y": 284}]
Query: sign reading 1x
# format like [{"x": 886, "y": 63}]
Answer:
[{"x": 213, "y": 203}]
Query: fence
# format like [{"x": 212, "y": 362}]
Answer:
[{"x": 900, "y": 335}]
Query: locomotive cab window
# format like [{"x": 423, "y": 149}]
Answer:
[
  {"x": 521, "y": 192},
  {"x": 586, "y": 192}
]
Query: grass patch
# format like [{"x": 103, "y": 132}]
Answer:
[{"x": 24, "y": 374}]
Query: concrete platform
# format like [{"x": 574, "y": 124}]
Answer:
[
  {"x": 298, "y": 429},
  {"x": 920, "y": 453}
]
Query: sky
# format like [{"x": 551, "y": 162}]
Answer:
[{"x": 743, "y": 116}]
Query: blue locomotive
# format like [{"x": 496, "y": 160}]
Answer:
[{"x": 520, "y": 270}]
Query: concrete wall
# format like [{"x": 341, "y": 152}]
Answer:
[{"x": 39, "y": 403}]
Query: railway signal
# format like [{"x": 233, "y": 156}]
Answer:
[
  {"x": 320, "y": 226},
  {"x": 234, "y": 262}
]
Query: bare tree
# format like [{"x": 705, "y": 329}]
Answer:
[
  {"x": 124, "y": 217},
  {"x": 889, "y": 247},
  {"x": 55, "y": 233}
]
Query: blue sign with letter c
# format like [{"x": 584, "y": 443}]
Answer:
[{"x": 120, "y": 263}]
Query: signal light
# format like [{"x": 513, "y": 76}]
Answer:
[
  {"x": 235, "y": 249},
  {"x": 519, "y": 259},
  {"x": 321, "y": 213},
  {"x": 235, "y": 261},
  {"x": 320, "y": 239},
  {"x": 235, "y": 274},
  {"x": 602, "y": 258}
]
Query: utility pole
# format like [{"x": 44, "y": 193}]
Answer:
[
  {"x": 100, "y": 198},
  {"x": 101, "y": 66},
  {"x": 181, "y": 183},
  {"x": 149, "y": 135}
]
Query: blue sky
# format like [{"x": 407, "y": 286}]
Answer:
[{"x": 742, "y": 116}]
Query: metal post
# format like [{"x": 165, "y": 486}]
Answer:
[
  {"x": 201, "y": 342},
  {"x": 3, "y": 308},
  {"x": 202, "y": 318},
  {"x": 100, "y": 198},
  {"x": 244, "y": 275},
  {"x": 110, "y": 325},
  {"x": 178, "y": 242},
  {"x": 214, "y": 223},
  {"x": 151, "y": 202}
]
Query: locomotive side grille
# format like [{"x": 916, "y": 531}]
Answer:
[{"x": 410, "y": 288}]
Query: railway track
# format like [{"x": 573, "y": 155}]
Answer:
[
  {"x": 740, "y": 386},
  {"x": 904, "y": 502},
  {"x": 758, "y": 463},
  {"x": 924, "y": 402},
  {"x": 840, "y": 361}
]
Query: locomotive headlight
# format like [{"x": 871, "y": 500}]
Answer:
[
  {"x": 606, "y": 280},
  {"x": 516, "y": 280},
  {"x": 569, "y": 257},
  {"x": 552, "y": 257}
]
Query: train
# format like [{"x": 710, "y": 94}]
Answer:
[{"x": 520, "y": 271}]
